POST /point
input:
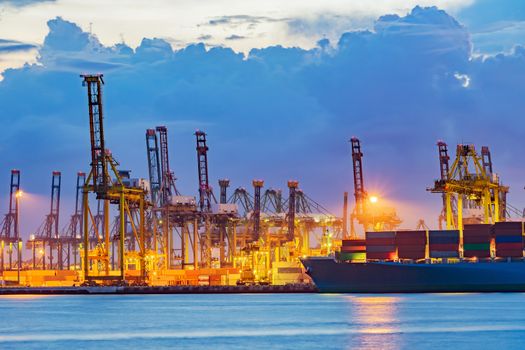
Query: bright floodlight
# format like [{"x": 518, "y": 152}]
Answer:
[
  {"x": 19, "y": 194},
  {"x": 373, "y": 199}
]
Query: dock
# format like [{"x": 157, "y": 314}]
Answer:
[{"x": 292, "y": 288}]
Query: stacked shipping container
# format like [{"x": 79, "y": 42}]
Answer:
[
  {"x": 411, "y": 244},
  {"x": 389, "y": 245},
  {"x": 476, "y": 240},
  {"x": 353, "y": 249},
  {"x": 443, "y": 243},
  {"x": 509, "y": 239},
  {"x": 381, "y": 245}
]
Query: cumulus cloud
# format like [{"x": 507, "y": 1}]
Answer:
[
  {"x": 276, "y": 113},
  {"x": 495, "y": 26}
]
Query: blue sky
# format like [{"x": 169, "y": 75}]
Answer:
[{"x": 398, "y": 77}]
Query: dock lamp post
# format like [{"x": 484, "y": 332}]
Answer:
[{"x": 18, "y": 195}]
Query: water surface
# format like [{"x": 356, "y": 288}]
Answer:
[{"x": 264, "y": 321}]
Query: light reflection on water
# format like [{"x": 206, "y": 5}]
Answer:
[
  {"x": 292, "y": 321},
  {"x": 377, "y": 321}
]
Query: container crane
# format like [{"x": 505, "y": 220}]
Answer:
[
  {"x": 366, "y": 211},
  {"x": 72, "y": 234},
  {"x": 10, "y": 233},
  {"x": 47, "y": 236},
  {"x": 105, "y": 181},
  {"x": 471, "y": 183}
]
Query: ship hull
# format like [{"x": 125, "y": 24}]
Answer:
[{"x": 331, "y": 276}]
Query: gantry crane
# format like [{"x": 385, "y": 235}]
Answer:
[
  {"x": 368, "y": 213},
  {"x": 104, "y": 180},
  {"x": 47, "y": 235},
  {"x": 471, "y": 184},
  {"x": 72, "y": 233},
  {"x": 10, "y": 232},
  {"x": 170, "y": 210}
]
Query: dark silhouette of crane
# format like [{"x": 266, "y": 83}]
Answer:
[{"x": 9, "y": 234}]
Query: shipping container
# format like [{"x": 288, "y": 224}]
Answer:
[
  {"x": 476, "y": 246},
  {"x": 443, "y": 240},
  {"x": 353, "y": 242},
  {"x": 352, "y": 256},
  {"x": 509, "y": 239},
  {"x": 380, "y": 248},
  {"x": 381, "y": 255},
  {"x": 380, "y": 241},
  {"x": 477, "y": 227},
  {"x": 411, "y": 238},
  {"x": 509, "y": 246},
  {"x": 444, "y": 247},
  {"x": 412, "y": 256},
  {"x": 470, "y": 239},
  {"x": 508, "y": 225},
  {"x": 354, "y": 249},
  {"x": 443, "y": 233},
  {"x": 509, "y": 253},
  {"x": 380, "y": 234},
  {"x": 476, "y": 253}
]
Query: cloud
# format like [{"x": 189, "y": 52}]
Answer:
[
  {"x": 240, "y": 20},
  {"x": 205, "y": 37},
  {"x": 278, "y": 112},
  {"x": 8, "y": 46},
  {"x": 495, "y": 27},
  {"x": 23, "y": 3},
  {"x": 235, "y": 37}
]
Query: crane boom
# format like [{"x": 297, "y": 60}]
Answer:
[
  {"x": 154, "y": 168},
  {"x": 359, "y": 187},
  {"x": 99, "y": 169}
]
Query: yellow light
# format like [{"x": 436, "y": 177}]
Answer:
[
  {"x": 41, "y": 251},
  {"x": 373, "y": 199},
  {"x": 19, "y": 194}
]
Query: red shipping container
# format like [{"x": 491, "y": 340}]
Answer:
[
  {"x": 410, "y": 234},
  {"x": 411, "y": 249},
  {"x": 353, "y": 242},
  {"x": 507, "y": 225},
  {"x": 509, "y": 246},
  {"x": 509, "y": 253},
  {"x": 380, "y": 241},
  {"x": 412, "y": 241},
  {"x": 475, "y": 240},
  {"x": 476, "y": 253},
  {"x": 476, "y": 234},
  {"x": 380, "y": 248},
  {"x": 382, "y": 256},
  {"x": 353, "y": 249},
  {"x": 477, "y": 227},
  {"x": 413, "y": 256},
  {"x": 507, "y": 233},
  {"x": 444, "y": 247}
]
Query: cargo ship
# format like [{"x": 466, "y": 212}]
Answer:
[{"x": 480, "y": 258}]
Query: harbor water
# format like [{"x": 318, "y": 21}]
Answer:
[{"x": 264, "y": 321}]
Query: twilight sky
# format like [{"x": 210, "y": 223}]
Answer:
[{"x": 279, "y": 88}]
